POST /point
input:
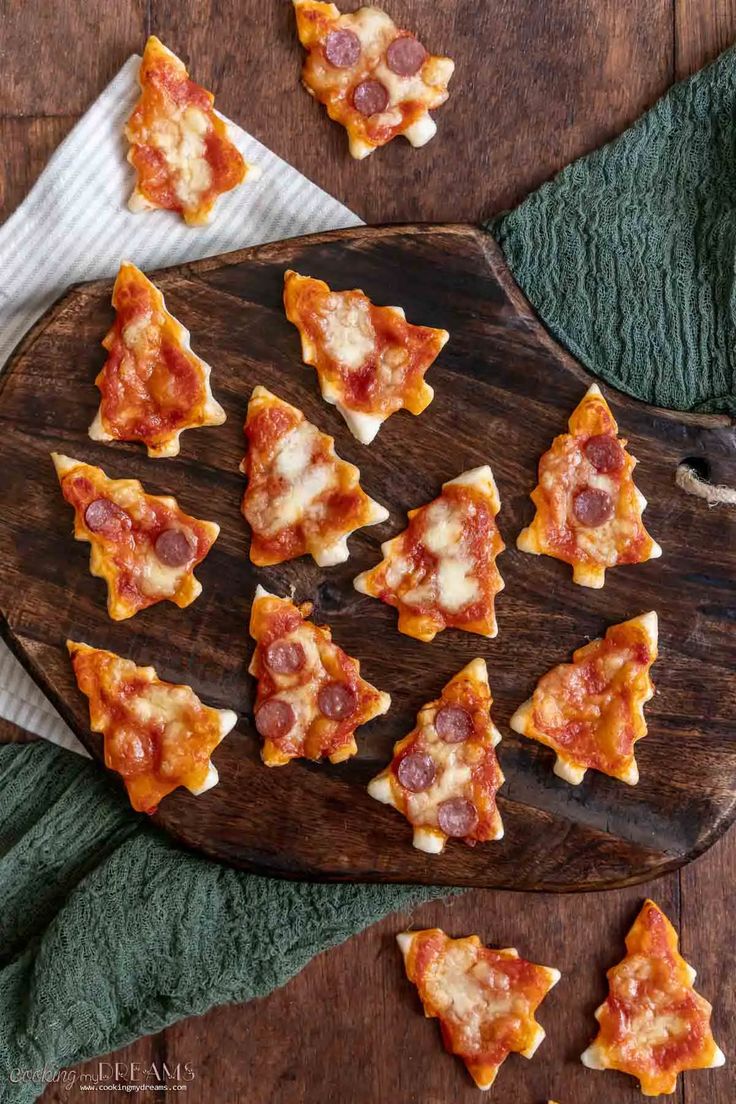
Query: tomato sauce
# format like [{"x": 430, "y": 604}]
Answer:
[{"x": 127, "y": 546}]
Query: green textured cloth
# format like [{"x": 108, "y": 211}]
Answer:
[
  {"x": 109, "y": 931},
  {"x": 628, "y": 254}
]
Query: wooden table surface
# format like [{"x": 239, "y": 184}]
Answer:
[{"x": 537, "y": 84}]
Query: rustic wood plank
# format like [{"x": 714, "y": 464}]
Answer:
[
  {"x": 12, "y": 734},
  {"x": 580, "y": 74},
  {"x": 708, "y": 908},
  {"x": 360, "y": 1030},
  {"x": 141, "y": 1063},
  {"x": 65, "y": 53},
  {"x": 27, "y": 144},
  {"x": 599, "y": 834},
  {"x": 703, "y": 29}
]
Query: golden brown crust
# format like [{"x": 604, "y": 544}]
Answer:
[
  {"x": 653, "y": 1024},
  {"x": 566, "y": 477},
  {"x": 158, "y": 735},
  {"x": 124, "y": 551}
]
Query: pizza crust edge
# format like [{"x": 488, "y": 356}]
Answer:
[
  {"x": 338, "y": 552},
  {"x": 405, "y": 941},
  {"x": 566, "y": 768},
  {"x": 213, "y": 413},
  {"x": 119, "y": 610},
  {"x": 226, "y": 718},
  {"x": 430, "y": 840}
]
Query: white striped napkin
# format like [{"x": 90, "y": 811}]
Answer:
[{"x": 74, "y": 225}]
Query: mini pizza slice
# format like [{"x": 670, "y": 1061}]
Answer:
[
  {"x": 441, "y": 571},
  {"x": 144, "y": 546},
  {"x": 180, "y": 148},
  {"x": 310, "y": 697},
  {"x": 444, "y": 775},
  {"x": 484, "y": 999},
  {"x": 370, "y": 361},
  {"x": 588, "y": 507},
  {"x": 152, "y": 385},
  {"x": 301, "y": 497},
  {"x": 591, "y": 711},
  {"x": 158, "y": 736},
  {"x": 653, "y": 1025},
  {"x": 375, "y": 79}
]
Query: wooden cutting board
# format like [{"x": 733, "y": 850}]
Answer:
[{"x": 503, "y": 390}]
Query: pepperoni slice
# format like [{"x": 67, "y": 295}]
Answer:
[
  {"x": 604, "y": 453},
  {"x": 274, "y": 719},
  {"x": 405, "y": 56},
  {"x": 285, "y": 657},
  {"x": 453, "y": 724},
  {"x": 173, "y": 548},
  {"x": 106, "y": 517},
  {"x": 592, "y": 507},
  {"x": 370, "y": 97},
  {"x": 336, "y": 700},
  {"x": 416, "y": 771},
  {"x": 457, "y": 816},
  {"x": 342, "y": 48}
]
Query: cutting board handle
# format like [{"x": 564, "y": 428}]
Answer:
[{"x": 708, "y": 471}]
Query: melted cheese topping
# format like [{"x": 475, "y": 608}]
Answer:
[
  {"x": 306, "y": 481},
  {"x": 654, "y": 1024},
  {"x": 349, "y": 336},
  {"x": 442, "y": 569},
  {"x": 410, "y": 98},
  {"x": 485, "y": 999},
  {"x": 590, "y": 711},
  {"x": 181, "y": 140},
  {"x": 564, "y": 470},
  {"x": 125, "y": 557},
  {"x": 301, "y": 497},
  {"x": 313, "y": 734},
  {"x": 158, "y": 735},
  {"x": 471, "y": 991},
  {"x": 451, "y": 585}
]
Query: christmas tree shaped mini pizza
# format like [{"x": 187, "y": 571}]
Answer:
[
  {"x": 444, "y": 775},
  {"x": 310, "y": 697},
  {"x": 653, "y": 1024},
  {"x": 158, "y": 735},
  {"x": 301, "y": 497},
  {"x": 152, "y": 384},
  {"x": 441, "y": 571},
  {"x": 144, "y": 546},
  {"x": 375, "y": 79},
  {"x": 591, "y": 711},
  {"x": 484, "y": 999},
  {"x": 588, "y": 508},
  {"x": 370, "y": 361},
  {"x": 179, "y": 145}
]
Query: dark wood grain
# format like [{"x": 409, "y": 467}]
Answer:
[
  {"x": 580, "y": 74},
  {"x": 12, "y": 734},
  {"x": 363, "y": 1038},
  {"x": 708, "y": 902},
  {"x": 27, "y": 145},
  {"x": 515, "y": 124},
  {"x": 498, "y": 362},
  {"x": 55, "y": 58},
  {"x": 703, "y": 29}
]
